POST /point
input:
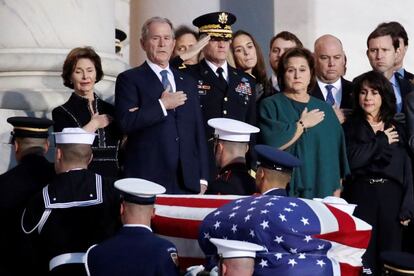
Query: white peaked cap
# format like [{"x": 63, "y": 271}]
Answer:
[
  {"x": 74, "y": 135},
  {"x": 139, "y": 191},
  {"x": 232, "y": 130},
  {"x": 236, "y": 249}
]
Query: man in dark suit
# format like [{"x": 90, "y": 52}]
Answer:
[
  {"x": 274, "y": 170},
  {"x": 383, "y": 51},
  {"x": 17, "y": 186},
  {"x": 224, "y": 91},
  {"x": 399, "y": 31},
  {"x": 158, "y": 108},
  {"x": 135, "y": 249},
  {"x": 329, "y": 68},
  {"x": 231, "y": 143}
]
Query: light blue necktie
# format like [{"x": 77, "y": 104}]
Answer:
[
  {"x": 164, "y": 80},
  {"x": 329, "y": 97}
]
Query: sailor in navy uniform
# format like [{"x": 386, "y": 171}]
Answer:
[
  {"x": 76, "y": 209},
  {"x": 224, "y": 91},
  {"x": 274, "y": 170},
  {"x": 231, "y": 142},
  {"x": 135, "y": 250},
  {"x": 17, "y": 186}
]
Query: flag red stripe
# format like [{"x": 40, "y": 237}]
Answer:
[
  {"x": 345, "y": 221},
  {"x": 349, "y": 270},
  {"x": 174, "y": 227},
  {"x": 192, "y": 202},
  {"x": 347, "y": 233}
]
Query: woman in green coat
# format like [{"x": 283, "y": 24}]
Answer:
[{"x": 306, "y": 127}]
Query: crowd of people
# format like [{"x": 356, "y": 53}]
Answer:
[{"x": 188, "y": 120}]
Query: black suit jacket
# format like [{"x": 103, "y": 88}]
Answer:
[
  {"x": 170, "y": 150},
  {"x": 408, "y": 76},
  {"x": 347, "y": 87},
  {"x": 405, "y": 87}
]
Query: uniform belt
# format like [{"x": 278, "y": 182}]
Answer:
[
  {"x": 67, "y": 258},
  {"x": 376, "y": 180}
]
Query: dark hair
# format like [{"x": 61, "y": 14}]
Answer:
[
  {"x": 259, "y": 70},
  {"x": 397, "y": 29},
  {"x": 285, "y": 35},
  {"x": 295, "y": 52},
  {"x": 384, "y": 31},
  {"x": 379, "y": 82},
  {"x": 72, "y": 59},
  {"x": 183, "y": 30}
]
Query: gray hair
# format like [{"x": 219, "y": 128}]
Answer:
[{"x": 145, "y": 27}]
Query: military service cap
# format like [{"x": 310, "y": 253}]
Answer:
[
  {"x": 232, "y": 130},
  {"x": 216, "y": 24},
  {"x": 139, "y": 191},
  {"x": 235, "y": 249},
  {"x": 30, "y": 127},
  {"x": 275, "y": 159}
]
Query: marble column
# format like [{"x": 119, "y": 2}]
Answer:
[{"x": 35, "y": 38}]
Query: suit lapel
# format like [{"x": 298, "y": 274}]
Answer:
[
  {"x": 152, "y": 78},
  {"x": 317, "y": 92}
]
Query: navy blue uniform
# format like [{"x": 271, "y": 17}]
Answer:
[
  {"x": 170, "y": 150},
  {"x": 135, "y": 250},
  {"x": 17, "y": 186},
  {"x": 76, "y": 210},
  {"x": 276, "y": 192}
]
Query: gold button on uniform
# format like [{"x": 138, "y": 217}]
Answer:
[
  {"x": 226, "y": 99},
  {"x": 224, "y": 112}
]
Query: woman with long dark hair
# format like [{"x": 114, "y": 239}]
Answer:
[{"x": 381, "y": 176}]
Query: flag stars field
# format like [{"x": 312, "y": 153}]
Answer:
[
  {"x": 279, "y": 239},
  {"x": 305, "y": 221},
  {"x": 263, "y": 263},
  {"x": 265, "y": 224},
  {"x": 321, "y": 263}
]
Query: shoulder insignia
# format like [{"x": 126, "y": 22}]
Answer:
[{"x": 174, "y": 257}]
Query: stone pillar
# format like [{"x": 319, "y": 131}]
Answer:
[{"x": 34, "y": 41}]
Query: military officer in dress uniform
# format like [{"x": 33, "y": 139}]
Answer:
[
  {"x": 224, "y": 91},
  {"x": 135, "y": 250},
  {"x": 274, "y": 170},
  {"x": 76, "y": 209},
  {"x": 231, "y": 143},
  {"x": 17, "y": 186}
]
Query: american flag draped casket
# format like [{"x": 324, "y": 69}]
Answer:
[{"x": 301, "y": 237}]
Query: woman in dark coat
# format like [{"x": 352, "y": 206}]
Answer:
[
  {"x": 381, "y": 176},
  {"x": 81, "y": 70}
]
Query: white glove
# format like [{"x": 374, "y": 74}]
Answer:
[{"x": 194, "y": 270}]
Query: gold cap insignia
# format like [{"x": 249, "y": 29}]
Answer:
[{"x": 222, "y": 18}]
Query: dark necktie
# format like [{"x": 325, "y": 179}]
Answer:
[
  {"x": 222, "y": 80},
  {"x": 165, "y": 82},
  {"x": 329, "y": 97}
]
